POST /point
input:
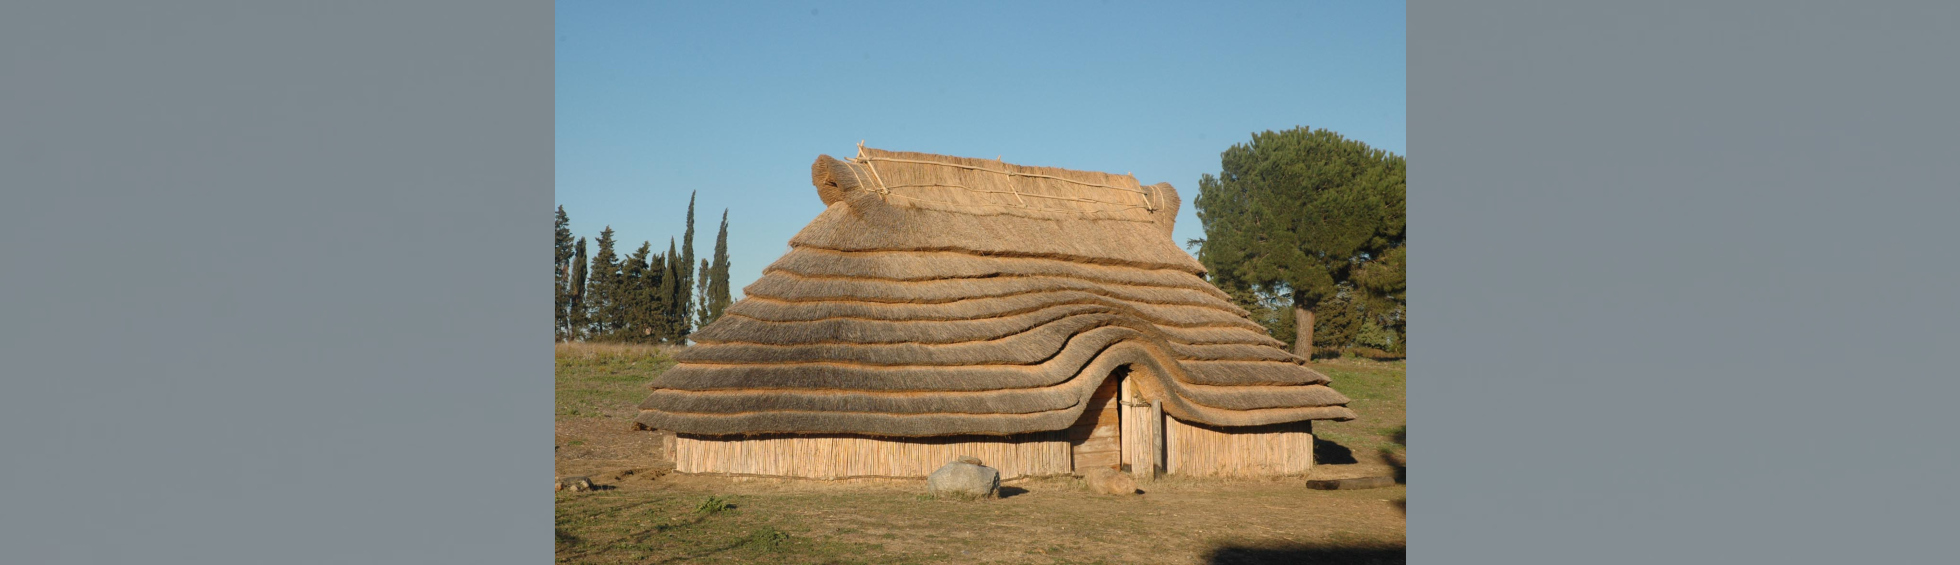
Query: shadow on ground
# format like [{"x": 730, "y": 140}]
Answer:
[
  {"x": 1330, "y": 453},
  {"x": 1401, "y": 466},
  {"x": 1012, "y": 491},
  {"x": 1238, "y": 555}
]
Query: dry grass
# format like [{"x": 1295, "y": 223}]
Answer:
[
  {"x": 606, "y": 379},
  {"x": 1050, "y": 520},
  {"x": 644, "y": 514}
]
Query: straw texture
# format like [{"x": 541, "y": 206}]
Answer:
[
  {"x": 1197, "y": 450},
  {"x": 945, "y": 296}
]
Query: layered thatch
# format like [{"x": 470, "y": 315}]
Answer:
[{"x": 951, "y": 296}]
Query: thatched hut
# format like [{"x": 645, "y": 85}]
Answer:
[{"x": 1039, "y": 319}]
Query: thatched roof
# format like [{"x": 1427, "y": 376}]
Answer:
[{"x": 944, "y": 295}]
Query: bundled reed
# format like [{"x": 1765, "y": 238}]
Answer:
[
  {"x": 1206, "y": 451},
  {"x": 944, "y": 301},
  {"x": 843, "y": 457}
]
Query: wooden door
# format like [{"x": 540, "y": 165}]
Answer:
[
  {"x": 1142, "y": 431},
  {"x": 1096, "y": 438}
]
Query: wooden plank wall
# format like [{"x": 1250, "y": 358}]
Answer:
[
  {"x": 1097, "y": 438},
  {"x": 839, "y": 456},
  {"x": 1199, "y": 450}
]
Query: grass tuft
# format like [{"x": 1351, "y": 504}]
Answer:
[{"x": 714, "y": 504}]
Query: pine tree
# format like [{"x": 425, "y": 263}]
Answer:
[
  {"x": 684, "y": 294},
  {"x": 604, "y": 282},
  {"x": 1339, "y": 319},
  {"x": 576, "y": 317},
  {"x": 561, "y": 276},
  {"x": 718, "y": 298},
  {"x": 1300, "y": 211},
  {"x": 1383, "y": 286}
]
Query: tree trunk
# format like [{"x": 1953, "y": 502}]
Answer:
[{"x": 1302, "y": 329}]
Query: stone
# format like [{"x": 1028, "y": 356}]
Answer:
[
  {"x": 1110, "y": 481},
  {"x": 1356, "y": 483},
  {"x": 960, "y": 479},
  {"x": 574, "y": 484}
]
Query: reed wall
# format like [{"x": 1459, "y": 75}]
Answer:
[
  {"x": 1251, "y": 451},
  {"x": 845, "y": 456}
]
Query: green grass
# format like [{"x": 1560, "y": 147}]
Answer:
[
  {"x": 1378, "y": 393},
  {"x": 597, "y": 380}
]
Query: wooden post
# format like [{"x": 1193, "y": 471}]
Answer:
[
  {"x": 1124, "y": 398},
  {"x": 1156, "y": 437},
  {"x": 1143, "y": 433}
]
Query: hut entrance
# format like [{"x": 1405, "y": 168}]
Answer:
[
  {"x": 1097, "y": 437},
  {"x": 1119, "y": 429}
]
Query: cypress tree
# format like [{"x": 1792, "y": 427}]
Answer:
[
  {"x": 604, "y": 283},
  {"x": 661, "y": 272},
  {"x": 685, "y": 286},
  {"x": 718, "y": 299},
  {"x": 576, "y": 318},
  {"x": 635, "y": 312},
  {"x": 701, "y": 295},
  {"x": 1299, "y": 211},
  {"x": 561, "y": 276},
  {"x": 669, "y": 293}
]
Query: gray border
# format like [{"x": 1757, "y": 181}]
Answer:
[
  {"x": 272, "y": 282},
  {"x": 1688, "y": 267},
  {"x": 1685, "y": 282}
]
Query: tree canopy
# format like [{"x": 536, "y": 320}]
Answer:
[{"x": 1303, "y": 212}]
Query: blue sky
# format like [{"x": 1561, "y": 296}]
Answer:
[{"x": 734, "y": 100}]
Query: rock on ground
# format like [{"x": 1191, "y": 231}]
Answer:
[
  {"x": 960, "y": 479},
  {"x": 575, "y": 484},
  {"x": 1110, "y": 481}
]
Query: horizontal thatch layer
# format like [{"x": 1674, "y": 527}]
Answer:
[
  {"x": 797, "y": 288},
  {"x": 1008, "y": 401},
  {"x": 855, "y": 331},
  {"x": 1023, "y": 349},
  {"x": 942, "y": 265},
  {"x": 774, "y": 310},
  {"x": 911, "y": 309},
  {"x": 1021, "y": 339},
  {"x": 848, "y": 375},
  {"x": 1239, "y": 408}
]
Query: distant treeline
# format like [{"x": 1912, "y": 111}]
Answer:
[{"x": 645, "y": 297}]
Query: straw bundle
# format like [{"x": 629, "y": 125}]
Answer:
[{"x": 945, "y": 296}]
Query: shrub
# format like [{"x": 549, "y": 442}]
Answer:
[{"x": 714, "y": 503}]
